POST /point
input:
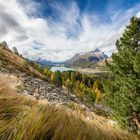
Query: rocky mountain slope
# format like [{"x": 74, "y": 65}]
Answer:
[
  {"x": 40, "y": 93},
  {"x": 86, "y": 59},
  {"x": 28, "y": 98},
  {"x": 25, "y": 117},
  {"x": 36, "y": 87},
  {"x": 32, "y": 81}
]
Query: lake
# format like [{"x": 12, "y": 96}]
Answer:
[{"x": 53, "y": 69}]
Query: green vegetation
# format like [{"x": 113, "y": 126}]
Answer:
[
  {"x": 79, "y": 84},
  {"x": 27, "y": 119},
  {"x": 56, "y": 78},
  {"x": 123, "y": 92}
]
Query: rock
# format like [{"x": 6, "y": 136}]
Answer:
[
  {"x": 4, "y": 71},
  {"x": 41, "y": 89},
  {"x": 72, "y": 98}
]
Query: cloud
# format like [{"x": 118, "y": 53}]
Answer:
[
  {"x": 23, "y": 26},
  {"x": 138, "y": 14}
]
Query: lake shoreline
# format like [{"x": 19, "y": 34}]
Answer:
[{"x": 81, "y": 70}]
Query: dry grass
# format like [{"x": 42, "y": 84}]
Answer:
[
  {"x": 26, "y": 119},
  {"x": 14, "y": 62}
]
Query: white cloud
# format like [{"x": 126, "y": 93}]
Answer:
[
  {"x": 138, "y": 14},
  {"x": 49, "y": 39}
]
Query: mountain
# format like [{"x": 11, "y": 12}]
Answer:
[
  {"x": 48, "y": 63},
  {"x": 86, "y": 59}
]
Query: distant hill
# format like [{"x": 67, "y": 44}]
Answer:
[
  {"x": 86, "y": 60},
  {"x": 48, "y": 63}
]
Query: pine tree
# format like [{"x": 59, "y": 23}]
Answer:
[
  {"x": 69, "y": 85},
  {"x": 123, "y": 92},
  {"x": 15, "y": 50},
  {"x": 57, "y": 78},
  {"x": 4, "y": 44}
]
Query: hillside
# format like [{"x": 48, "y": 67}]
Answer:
[
  {"x": 34, "y": 82},
  {"x": 100, "y": 65},
  {"x": 32, "y": 108},
  {"x": 86, "y": 60},
  {"x": 15, "y": 62},
  {"x": 25, "y": 117}
]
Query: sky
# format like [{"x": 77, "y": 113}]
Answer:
[{"x": 58, "y": 29}]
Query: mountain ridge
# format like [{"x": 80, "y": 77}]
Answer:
[{"x": 89, "y": 57}]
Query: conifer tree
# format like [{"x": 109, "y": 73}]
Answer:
[
  {"x": 123, "y": 92},
  {"x": 57, "y": 78}
]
